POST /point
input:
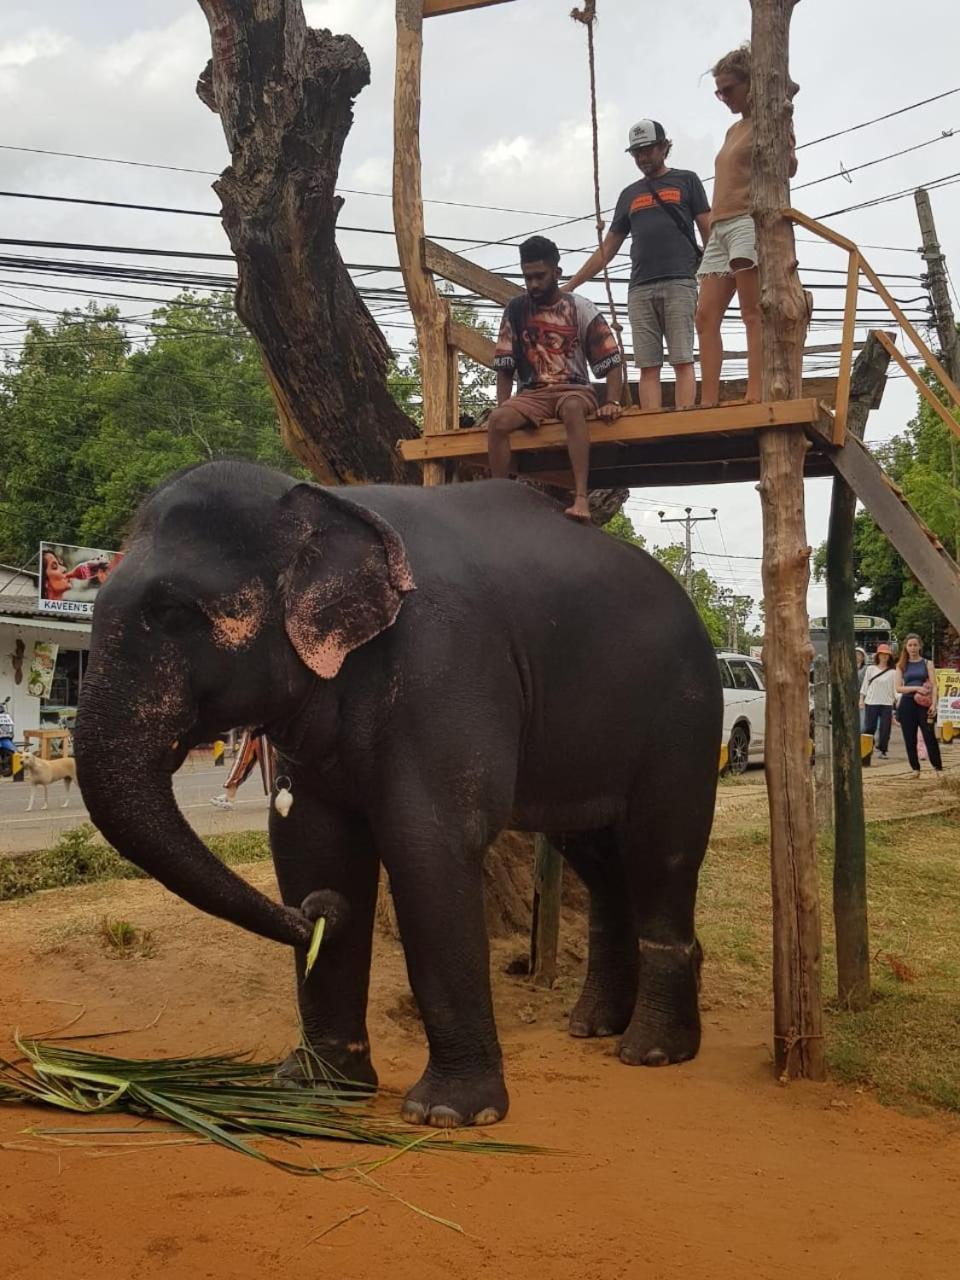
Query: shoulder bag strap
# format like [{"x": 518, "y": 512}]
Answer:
[{"x": 677, "y": 217}]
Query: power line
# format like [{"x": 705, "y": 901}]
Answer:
[
  {"x": 844, "y": 172},
  {"x": 828, "y": 137}
]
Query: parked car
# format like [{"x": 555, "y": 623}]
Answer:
[{"x": 744, "y": 709}]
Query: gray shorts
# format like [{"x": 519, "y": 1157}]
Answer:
[{"x": 663, "y": 309}]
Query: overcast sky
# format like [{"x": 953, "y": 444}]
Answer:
[{"x": 506, "y": 123}]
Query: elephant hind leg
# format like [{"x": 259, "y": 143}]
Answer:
[
  {"x": 662, "y": 845},
  {"x": 609, "y": 992}
]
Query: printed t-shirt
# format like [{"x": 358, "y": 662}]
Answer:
[
  {"x": 658, "y": 248},
  {"x": 552, "y": 345}
]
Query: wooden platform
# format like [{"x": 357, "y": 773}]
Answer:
[{"x": 649, "y": 447}]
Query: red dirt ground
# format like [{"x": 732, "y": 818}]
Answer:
[{"x": 708, "y": 1170}]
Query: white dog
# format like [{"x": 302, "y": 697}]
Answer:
[{"x": 42, "y": 772}]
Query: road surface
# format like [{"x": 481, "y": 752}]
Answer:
[{"x": 193, "y": 786}]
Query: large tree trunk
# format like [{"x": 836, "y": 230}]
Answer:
[
  {"x": 284, "y": 93},
  {"x": 787, "y": 652}
]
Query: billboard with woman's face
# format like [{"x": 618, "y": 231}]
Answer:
[{"x": 70, "y": 577}]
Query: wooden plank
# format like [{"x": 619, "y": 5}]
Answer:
[
  {"x": 825, "y": 233},
  {"x": 927, "y": 559},
  {"x": 930, "y": 360},
  {"x": 851, "y": 926},
  {"x": 471, "y": 342},
  {"x": 926, "y": 391},
  {"x": 429, "y": 311},
  {"x": 435, "y": 8},
  {"x": 846, "y": 347},
  {"x": 633, "y": 424},
  {"x": 545, "y": 931},
  {"x": 467, "y": 274}
]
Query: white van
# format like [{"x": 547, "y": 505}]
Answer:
[{"x": 744, "y": 709}]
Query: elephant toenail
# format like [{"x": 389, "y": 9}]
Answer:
[
  {"x": 656, "y": 1058},
  {"x": 444, "y": 1118},
  {"x": 489, "y": 1115},
  {"x": 414, "y": 1113}
]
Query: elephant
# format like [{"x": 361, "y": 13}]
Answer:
[{"x": 433, "y": 665}]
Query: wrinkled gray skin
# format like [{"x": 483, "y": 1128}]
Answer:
[{"x": 434, "y": 665}]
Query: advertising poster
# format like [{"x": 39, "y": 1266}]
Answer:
[
  {"x": 42, "y": 668},
  {"x": 948, "y": 697},
  {"x": 70, "y": 577}
]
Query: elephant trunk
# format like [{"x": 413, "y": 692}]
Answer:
[{"x": 129, "y": 795}]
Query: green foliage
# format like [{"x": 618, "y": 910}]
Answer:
[
  {"x": 81, "y": 857},
  {"x": 719, "y": 607},
  {"x": 88, "y": 426},
  {"x": 621, "y": 526},
  {"x": 923, "y": 463},
  {"x": 476, "y": 381}
]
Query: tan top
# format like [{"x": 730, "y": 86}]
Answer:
[{"x": 732, "y": 172}]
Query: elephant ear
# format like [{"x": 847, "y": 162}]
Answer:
[{"x": 346, "y": 580}]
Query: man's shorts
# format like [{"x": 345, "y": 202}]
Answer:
[
  {"x": 538, "y": 403},
  {"x": 663, "y": 309},
  {"x": 730, "y": 239}
]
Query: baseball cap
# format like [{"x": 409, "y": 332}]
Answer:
[
  {"x": 884, "y": 648},
  {"x": 645, "y": 133}
]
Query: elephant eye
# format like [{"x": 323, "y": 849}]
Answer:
[{"x": 173, "y": 614}]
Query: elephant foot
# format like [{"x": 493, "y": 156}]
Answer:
[
  {"x": 665, "y": 1026},
  {"x": 599, "y": 1013},
  {"x": 445, "y": 1103},
  {"x": 328, "y": 1064}
]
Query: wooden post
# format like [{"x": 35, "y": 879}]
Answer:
[
  {"x": 850, "y": 854},
  {"x": 545, "y": 932},
  {"x": 823, "y": 753},
  {"x": 787, "y": 653},
  {"x": 430, "y": 312}
]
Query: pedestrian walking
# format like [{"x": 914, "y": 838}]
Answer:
[
  {"x": 916, "y": 684},
  {"x": 878, "y": 697}
]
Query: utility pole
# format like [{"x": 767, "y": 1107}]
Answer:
[
  {"x": 688, "y": 521},
  {"x": 936, "y": 281}
]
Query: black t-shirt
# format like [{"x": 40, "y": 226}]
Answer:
[{"x": 658, "y": 248}]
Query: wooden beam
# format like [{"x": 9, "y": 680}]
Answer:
[
  {"x": 846, "y": 346},
  {"x": 925, "y": 390},
  {"x": 430, "y": 312},
  {"x": 633, "y": 424},
  {"x": 798, "y": 1011},
  {"x": 928, "y": 560},
  {"x": 435, "y": 8},
  {"x": 825, "y": 233},
  {"x": 459, "y": 270},
  {"x": 851, "y": 924},
  {"x": 471, "y": 342}
]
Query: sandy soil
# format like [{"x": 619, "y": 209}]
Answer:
[{"x": 709, "y": 1170}]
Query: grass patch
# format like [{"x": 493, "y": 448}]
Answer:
[
  {"x": 906, "y": 1046},
  {"x": 125, "y": 941},
  {"x": 81, "y": 857}
]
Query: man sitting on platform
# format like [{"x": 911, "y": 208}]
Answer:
[{"x": 547, "y": 340}]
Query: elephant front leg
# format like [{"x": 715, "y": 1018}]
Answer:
[
  {"x": 317, "y": 850},
  {"x": 438, "y": 895}
]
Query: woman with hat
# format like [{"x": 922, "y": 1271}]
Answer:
[{"x": 878, "y": 698}]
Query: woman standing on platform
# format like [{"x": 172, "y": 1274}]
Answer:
[
  {"x": 878, "y": 697},
  {"x": 916, "y": 684},
  {"x": 729, "y": 263}
]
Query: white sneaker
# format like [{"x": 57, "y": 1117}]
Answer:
[{"x": 221, "y": 801}]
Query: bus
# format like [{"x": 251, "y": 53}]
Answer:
[{"x": 868, "y": 632}]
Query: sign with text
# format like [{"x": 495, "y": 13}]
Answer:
[
  {"x": 70, "y": 577},
  {"x": 948, "y": 697}
]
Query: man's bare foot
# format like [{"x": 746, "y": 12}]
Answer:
[{"x": 580, "y": 509}]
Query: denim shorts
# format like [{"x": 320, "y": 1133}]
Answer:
[
  {"x": 662, "y": 309},
  {"x": 730, "y": 239}
]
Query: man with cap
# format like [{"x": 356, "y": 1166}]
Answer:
[{"x": 661, "y": 213}]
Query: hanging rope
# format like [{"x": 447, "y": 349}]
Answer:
[{"x": 588, "y": 16}]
